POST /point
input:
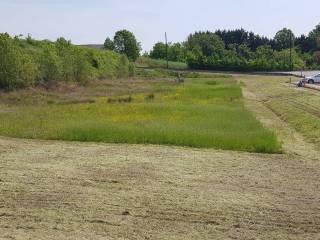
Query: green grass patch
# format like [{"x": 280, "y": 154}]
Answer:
[
  {"x": 196, "y": 114},
  {"x": 145, "y": 62},
  {"x": 148, "y": 73}
]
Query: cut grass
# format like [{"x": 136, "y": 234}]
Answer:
[
  {"x": 298, "y": 107},
  {"x": 196, "y": 114}
]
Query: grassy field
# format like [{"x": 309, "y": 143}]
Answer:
[
  {"x": 71, "y": 190},
  {"x": 203, "y": 112},
  {"x": 298, "y": 107}
]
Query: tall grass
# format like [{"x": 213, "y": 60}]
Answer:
[
  {"x": 196, "y": 114},
  {"x": 146, "y": 62}
]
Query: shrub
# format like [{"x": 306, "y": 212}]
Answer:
[
  {"x": 123, "y": 67},
  {"x": 50, "y": 65},
  {"x": 17, "y": 67},
  {"x": 25, "y": 62}
]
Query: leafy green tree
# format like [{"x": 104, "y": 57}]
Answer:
[
  {"x": 240, "y": 36},
  {"x": 126, "y": 43},
  {"x": 158, "y": 51},
  {"x": 284, "y": 39},
  {"x": 244, "y": 51},
  {"x": 305, "y": 44},
  {"x": 51, "y": 65},
  {"x": 315, "y": 37},
  {"x": 67, "y": 55},
  {"x": 108, "y": 44},
  {"x": 177, "y": 52},
  {"x": 208, "y": 43},
  {"x": 17, "y": 67},
  {"x": 316, "y": 57}
]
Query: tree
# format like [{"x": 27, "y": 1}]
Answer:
[
  {"x": 284, "y": 39},
  {"x": 208, "y": 43},
  {"x": 51, "y": 65},
  {"x": 315, "y": 37},
  {"x": 158, "y": 51},
  {"x": 244, "y": 51},
  {"x": 304, "y": 43},
  {"x": 108, "y": 44},
  {"x": 17, "y": 67},
  {"x": 177, "y": 52},
  {"x": 126, "y": 43}
]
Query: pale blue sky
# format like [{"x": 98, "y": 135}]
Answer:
[{"x": 93, "y": 20}]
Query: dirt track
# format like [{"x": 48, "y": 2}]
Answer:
[
  {"x": 58, "y": 190},
  {"x": 313, "y": 86}
]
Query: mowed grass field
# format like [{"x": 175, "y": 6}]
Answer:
[
  {"x": 298, "y": 107},
  {"x": 74, "y": 190},
  {"x": 203, "y": 112}
]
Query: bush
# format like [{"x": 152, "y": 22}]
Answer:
[
  {"x": 50, "y": 65},
  {"x": 123, "y": 67},
  {"x": 17, "y": 67},
  {"x": 26, "y": 62}
]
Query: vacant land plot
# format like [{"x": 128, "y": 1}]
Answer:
[{"x": 203, "y": 112}]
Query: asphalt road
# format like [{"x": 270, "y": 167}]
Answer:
[{"x": 300, "y": 73}]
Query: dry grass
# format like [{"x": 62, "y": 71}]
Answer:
[
  {"x": 90, "y": 191},
  {"x": 71, "y": 93}
]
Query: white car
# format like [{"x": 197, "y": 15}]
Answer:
[{"x": 313, "y": 79}]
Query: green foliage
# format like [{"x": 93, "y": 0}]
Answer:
[
  {"x": 158, "y": 51},
  {"x": 50, "y": 65},
  {"x": 315, "y": 36},
  {"x": 108, "y": 44},
  {"x": 284, "y": 39},
  {"x": 17, "y": 67},
  {"x": 124, "y": 42},
  {"x": 241, "y": 36},
  {"x": 123, "y": 67},
  {"x": 146, "y": 62},
  {"x": 176, "y": 52},
  {"x": 28, "y": 62},
  {"x": 206, "y": 43},
  {"x": 240, "y": 50}
]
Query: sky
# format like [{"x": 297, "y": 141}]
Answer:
[{"x": 92, "y": 21}]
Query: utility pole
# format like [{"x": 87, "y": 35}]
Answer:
[
  {"x": 167, "y": 50},
  {"x": 291, "y": 62}
]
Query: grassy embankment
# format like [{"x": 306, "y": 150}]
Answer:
[
  {"x": 204, "y": 112},
  {"x": 298, "y": 107}
]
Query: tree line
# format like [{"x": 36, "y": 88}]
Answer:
[
  {"x": 26, "y": 62},
  {"x": 241, "y": 50}
]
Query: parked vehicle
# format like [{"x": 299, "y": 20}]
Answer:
[{"x": 313, "y": 79}]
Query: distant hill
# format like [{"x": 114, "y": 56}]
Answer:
[{"x": 96, "y": 46}]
